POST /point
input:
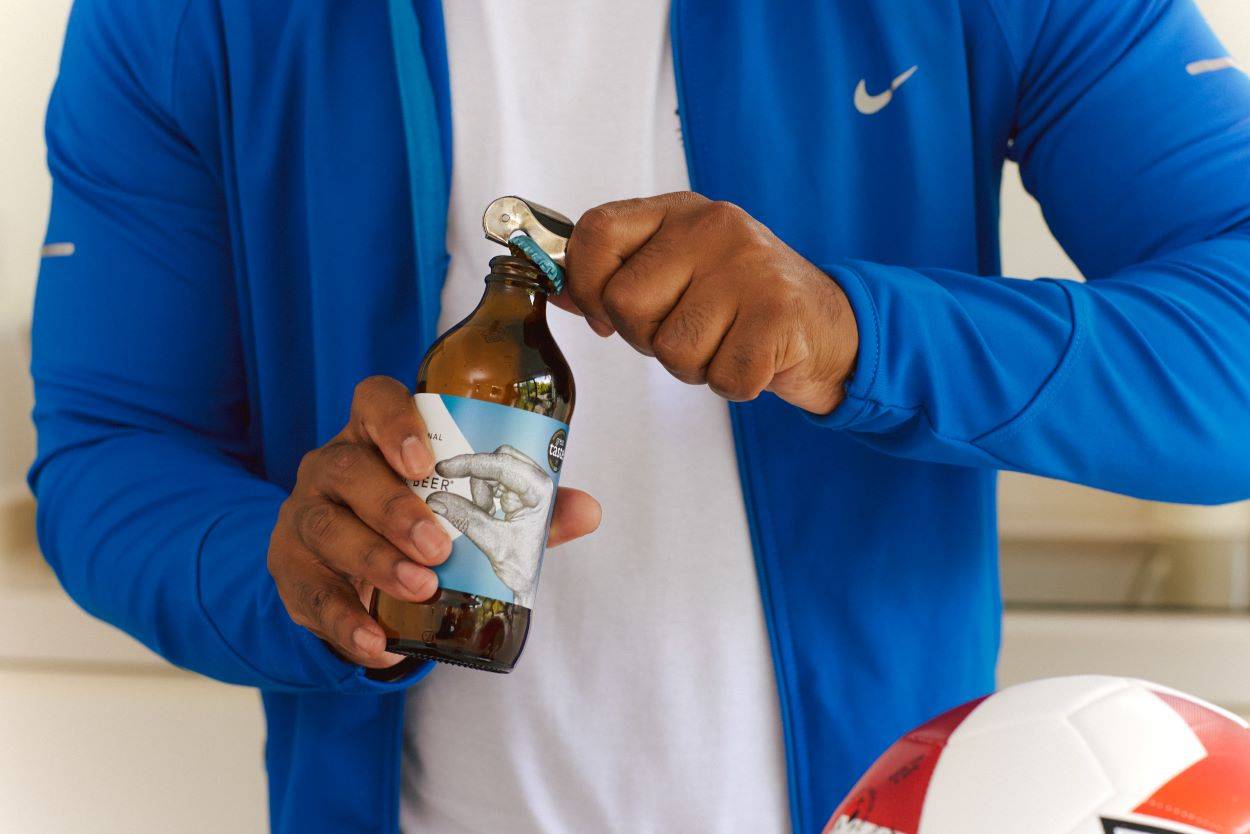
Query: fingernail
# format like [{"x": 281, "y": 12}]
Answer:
[
  {"x": 412, "y": 577},
  {"x": 416, "y": 456},
  {"x": 368, "y": 641},
  {"x": 430, "y": 539},
  {"x": 602, "y": 328}
]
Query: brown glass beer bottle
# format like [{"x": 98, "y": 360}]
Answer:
[{"x": 496, "y": 396}]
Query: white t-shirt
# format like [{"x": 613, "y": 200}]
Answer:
[{"x": 645, "y": 699}]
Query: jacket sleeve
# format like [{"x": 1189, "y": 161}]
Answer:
[
  {"x": 1137, "y": 381},
  {"x": 149, "y": 506}
]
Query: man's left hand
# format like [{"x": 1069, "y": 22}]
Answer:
[{"x": 713, "y": 295}]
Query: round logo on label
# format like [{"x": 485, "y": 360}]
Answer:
[{"x": 555, "y": 449}]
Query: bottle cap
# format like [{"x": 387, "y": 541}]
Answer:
[{"x": 555, "y": 275}]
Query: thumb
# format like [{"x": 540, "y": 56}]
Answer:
[{"x": 464, "y": 515}]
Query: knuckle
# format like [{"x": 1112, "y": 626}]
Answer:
[
  {"x": 677, "y": 356},
  {"x": 670, "y": 352},
  {"x": 301, "y": 619},
  {"x": 731, "y": 379},
  {"x": 595, "y": 227},
  {"x": 369, "y": 386},
  {"x": 375, "y": 561},
  {"x": 745, "y": 362},
  {"x": 721, "y": 214},
  {"x": 285, "y": 521},
  {"x": 299, "y": 604},
  {"x": 687, "y": 198},
  {"x": 371, "y": 398},
  {"x": 307, "y": 465},
  {"x": 341, "y": 457},
  {"x": 619, "y": 299},
  {"x": 275, "y": 563},
  {"x": 722, "y": 380},
  {"x": 369, "y": 394},
  {"x": 318, "y": 523},
  {"x": 399, "y": 505},
  {"x": 295, "y": 612},
  {"x": 691, "y": 374},
  {"x": 318, "y": 602},
  {"x": 678, "y": 338}
]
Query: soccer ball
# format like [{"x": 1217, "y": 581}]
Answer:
[{"x": 1081, "y": 755}]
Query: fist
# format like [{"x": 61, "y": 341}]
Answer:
[{"x": 714, "y": 296}]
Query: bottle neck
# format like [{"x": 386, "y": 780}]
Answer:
[{"x": 515, "y": 289}]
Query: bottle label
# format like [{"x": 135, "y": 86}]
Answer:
[{"x": 493, "y": 489}]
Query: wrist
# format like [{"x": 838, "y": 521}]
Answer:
[
  {"x": 846, "y": 340},
  {"x": 835, "y": 347}
]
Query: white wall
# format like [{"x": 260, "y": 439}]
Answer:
[
  {"x": 127, "y": 752},
  {"x": 30, "y": 36},
  {"x": 30, "y": 45}
]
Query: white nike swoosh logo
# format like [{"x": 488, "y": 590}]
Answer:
[
  {"x": 869, "y": 104},
  {"x": 1211, "y": 65}
]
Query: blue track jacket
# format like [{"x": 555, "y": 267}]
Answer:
[{"x": 256, "y": 193}]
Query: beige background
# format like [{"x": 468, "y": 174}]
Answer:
[{"x": 97, "y": 735}]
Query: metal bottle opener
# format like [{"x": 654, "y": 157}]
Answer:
[{"x": 541, "y": 233}]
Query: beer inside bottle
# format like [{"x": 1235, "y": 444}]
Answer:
[{"x": 496, "y": 396}]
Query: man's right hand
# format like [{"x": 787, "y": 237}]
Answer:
[{"x": 352, "y": 524}]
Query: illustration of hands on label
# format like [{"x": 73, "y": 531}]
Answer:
[{"x": 523, "y": 491}]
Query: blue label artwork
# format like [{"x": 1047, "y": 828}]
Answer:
[{"x": 493, "y": 489}]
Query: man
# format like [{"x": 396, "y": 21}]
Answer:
[{"x": 261, "y": 198}]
